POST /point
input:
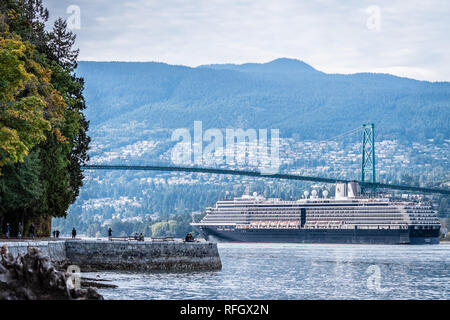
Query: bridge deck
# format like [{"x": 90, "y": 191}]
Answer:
[{"x": 262, "y": 175}]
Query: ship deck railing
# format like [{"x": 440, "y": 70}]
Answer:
[{"x": 327, "y": 226}]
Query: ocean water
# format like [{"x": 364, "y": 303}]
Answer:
[{"x": 299, "y": 271}]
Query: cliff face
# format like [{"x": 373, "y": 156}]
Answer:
[{"x": 33, "y": 277}]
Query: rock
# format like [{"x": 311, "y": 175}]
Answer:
[
  {"x": 33, "y": 277},
  {"x": 99, "y": 285}
]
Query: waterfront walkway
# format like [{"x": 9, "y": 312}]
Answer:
[{"x": 130, "y": 238}]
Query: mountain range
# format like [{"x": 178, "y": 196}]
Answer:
[{"x": 285, "y": 94}]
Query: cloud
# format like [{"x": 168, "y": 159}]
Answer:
[{"x": 331, "y": 35}]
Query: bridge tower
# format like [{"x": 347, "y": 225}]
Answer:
[{"x": 368, "y": 153}]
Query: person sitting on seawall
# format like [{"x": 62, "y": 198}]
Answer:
[
  {"x": 141, "y": 237},
  {"x": 136, "y": 237},
  {"x": 189, "y": 238},
  {"x": 57, "y": 233}
]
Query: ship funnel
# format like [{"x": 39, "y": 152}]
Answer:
[
  {"x": 353, "y": 189},
  {"x": 341, "y": 190}
]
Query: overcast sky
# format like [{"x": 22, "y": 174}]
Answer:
[{"x": 406, "y": 38}]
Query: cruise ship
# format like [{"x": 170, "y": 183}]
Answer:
[{"x": 349, "y": 217}]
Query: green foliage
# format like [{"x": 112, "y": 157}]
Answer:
[
  {"x": 43, "y": 132},
  {"x": 22, "y": 122},
  {"x": 284, "y": 94},
  {"x": 20, "y": 187},
  {"x": 160, "y": 229},
  {"x": 60, "y": 43}
]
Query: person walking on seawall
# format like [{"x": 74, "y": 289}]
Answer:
[
  {"x": 57, "y": 233},
  {"x": 8, "y": 230},
  {"x": 74, "y": 233},
  {"x": 20, "y": 231},
  {"x": 109, "y": 233},
  {"x": 32, "y": 231}
]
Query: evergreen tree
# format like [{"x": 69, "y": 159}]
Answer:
[
  {"x": 26, "y": 18},
  {"x": 60, "y": 43},
  {"x": 43, "y": 127}
]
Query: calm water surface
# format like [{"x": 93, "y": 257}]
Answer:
[{"x": 299, "y": 271}]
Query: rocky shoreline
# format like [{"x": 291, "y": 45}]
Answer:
[
  {"x": 39, "y": 269},
  {"x": 34, "y": 277}
]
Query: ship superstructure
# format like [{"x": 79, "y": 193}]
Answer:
[{"x": 346, "y": 218}]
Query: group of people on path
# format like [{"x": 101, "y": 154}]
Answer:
[
  {"x": 31, "y": 231},
  {"x": 56, "y": 233},
  {"x": 189, "y": 237},
  {"x": 139, "y": 237}
]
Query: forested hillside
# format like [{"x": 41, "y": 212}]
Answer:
[{"x": 285, "y": 94}]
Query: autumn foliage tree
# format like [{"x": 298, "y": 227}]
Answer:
[
  {"x": 22, "y": 120},
  {"x": 43, "y": 131}
]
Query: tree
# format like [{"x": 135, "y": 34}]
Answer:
[
  {"x": 64, "y": 60},
  {"x": 41, "y": 113},
  {"x": 160, "y": 229},
  {"x": 22, "y": 122},
  {"x": 20, "y": 188},
  {"x": 60, "y": 43},
  {"x": 27, "y": 19}
]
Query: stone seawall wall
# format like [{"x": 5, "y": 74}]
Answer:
[
  {"x": 92, "y": 255},
  {"x": 56, "y": 250},
  {"x": 134, "y": 255}
]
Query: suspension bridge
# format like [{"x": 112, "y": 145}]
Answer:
[{"x": 368, "y": 169}]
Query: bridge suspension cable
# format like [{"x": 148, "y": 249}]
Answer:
[
  {"x": 348, "y": 133},
  {"x": 363, "y": 184}
]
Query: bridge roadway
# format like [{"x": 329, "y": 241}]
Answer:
[{"x": 262, "y": 175}]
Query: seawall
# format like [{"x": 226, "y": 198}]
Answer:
[
  {"x": 56, "y": 250},
  {"x": 96, "y": 255}
]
